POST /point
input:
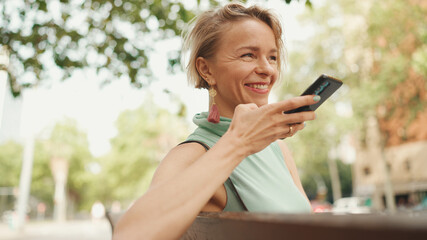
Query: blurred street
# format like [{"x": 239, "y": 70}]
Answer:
[{"x": 70, "y": 230}]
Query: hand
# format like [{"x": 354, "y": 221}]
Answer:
[{"x": 257, "y": 127}]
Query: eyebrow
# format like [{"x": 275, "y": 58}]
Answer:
[{"x": 274, "y": 50}]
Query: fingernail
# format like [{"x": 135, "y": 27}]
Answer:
[
  {"x": 316, "y": 98},
  {"x": 305, "y": 124}
]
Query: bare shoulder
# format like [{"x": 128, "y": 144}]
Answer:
[
  {"x": 290, "y": 163},
  {"x": 178, "y": 158},
  {"x": 284, "y": 147},
  {"x": 287, "y": 155},
  {"x": 281, "y": 143}
]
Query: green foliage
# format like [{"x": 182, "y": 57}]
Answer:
[
  {"x": 307, "y": 2},
  {"x": 345, "y": 174},
  {"x": 67, "y": 141},
  {"x": 419, "y": 60},
  {"x": 111, "y": 36},
  {"x": 144, "y": 136},
  {"x": 372, "y": 49},
  {"x": 78, "y": 156},
  {"x": 10, "y": 167},
  {"x": 42, "y": 186},
  {"x": 10, "y": 162},
  {"x": 397, "y": 48},
  {"x": 311, "y": 149},
  {"x": 311, "y": 186},
  {"x": 11, "y": 156},
  {"x": 42, "y": 183},
  {"x": 399, "y": 59},
  {"x": 320, "y": 54}
]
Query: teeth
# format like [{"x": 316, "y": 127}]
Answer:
[{"x": 259, "y": 86}]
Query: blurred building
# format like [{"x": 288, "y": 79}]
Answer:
[
  {"x": 402, "y": 124},
  {"x": 407, "y": 166},
  {"x": 396, "y": 137}
]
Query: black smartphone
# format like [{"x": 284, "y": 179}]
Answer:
[{"x": 324, "y": 86}]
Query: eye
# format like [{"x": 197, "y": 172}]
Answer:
[
  {"x": 250, "y": 55},
  {"x": 273, "y": 58}
]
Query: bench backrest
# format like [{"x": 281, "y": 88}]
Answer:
[{"x": 245, "y": 225}]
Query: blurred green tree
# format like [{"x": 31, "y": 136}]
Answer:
[
  {"x": 383, "y": 69},
  {"x": 69, "y": 143},
  {"x": 112, "y": 36},
  {"x": 388, "y": 77},
  {"x": 10, "y": 171},
  {"x": 144, "y": 137},
  {"x": 42, "y": 183},
  {"x": 10, "y": 166},
  {"x": 10, "y": 162},
  {"x": 321, "y": 53},
  {"x": 399, "y": 69}
]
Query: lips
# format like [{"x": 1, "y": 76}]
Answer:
[{"x": 258, "y": 87}]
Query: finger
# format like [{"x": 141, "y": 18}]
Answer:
[
  {"x": 289, "y": 131},
  {"x": 294, "y": 103},
  {"x": 292, "y": 130},
  {"x": 298, "y": 127},
  {"x": 298, "y": 118},
  {"x": 292, "y": 118}
]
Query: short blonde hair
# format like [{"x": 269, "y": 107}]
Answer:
[{"x": 203, "y": 36}]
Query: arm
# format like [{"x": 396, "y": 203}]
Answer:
[
  {"x": 188, "y": 178},
  {"x": 290, "y": 163},
  {"x": 168, "y": 208}
]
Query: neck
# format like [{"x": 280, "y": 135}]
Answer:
[{"x": 223, "y": 111}]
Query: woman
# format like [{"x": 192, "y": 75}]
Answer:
[{"x": 236, "y": 53}]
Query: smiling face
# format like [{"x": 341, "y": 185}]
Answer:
[{"x": 244, "y": 67}]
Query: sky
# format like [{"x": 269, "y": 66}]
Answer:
[{"x": 96, "y": 109}]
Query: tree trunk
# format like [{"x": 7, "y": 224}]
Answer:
[
  {"x": 59, "y": 168},
  {"x": 25, "y": 182},
  {"x": 380, "y": 143},
  {"x": 335, "y": 178}
]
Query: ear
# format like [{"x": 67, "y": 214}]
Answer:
[{"x": 204, "y": 69}]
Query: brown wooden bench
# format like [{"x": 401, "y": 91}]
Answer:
[{"x": 245, "y": 225}]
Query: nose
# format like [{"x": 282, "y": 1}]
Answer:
[{"x": 265, "y": 67}]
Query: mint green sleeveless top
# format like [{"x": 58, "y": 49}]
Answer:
[{"x": 262, "y": 180}]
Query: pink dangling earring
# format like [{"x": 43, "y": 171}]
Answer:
[{"x": 213, "y": 113}]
